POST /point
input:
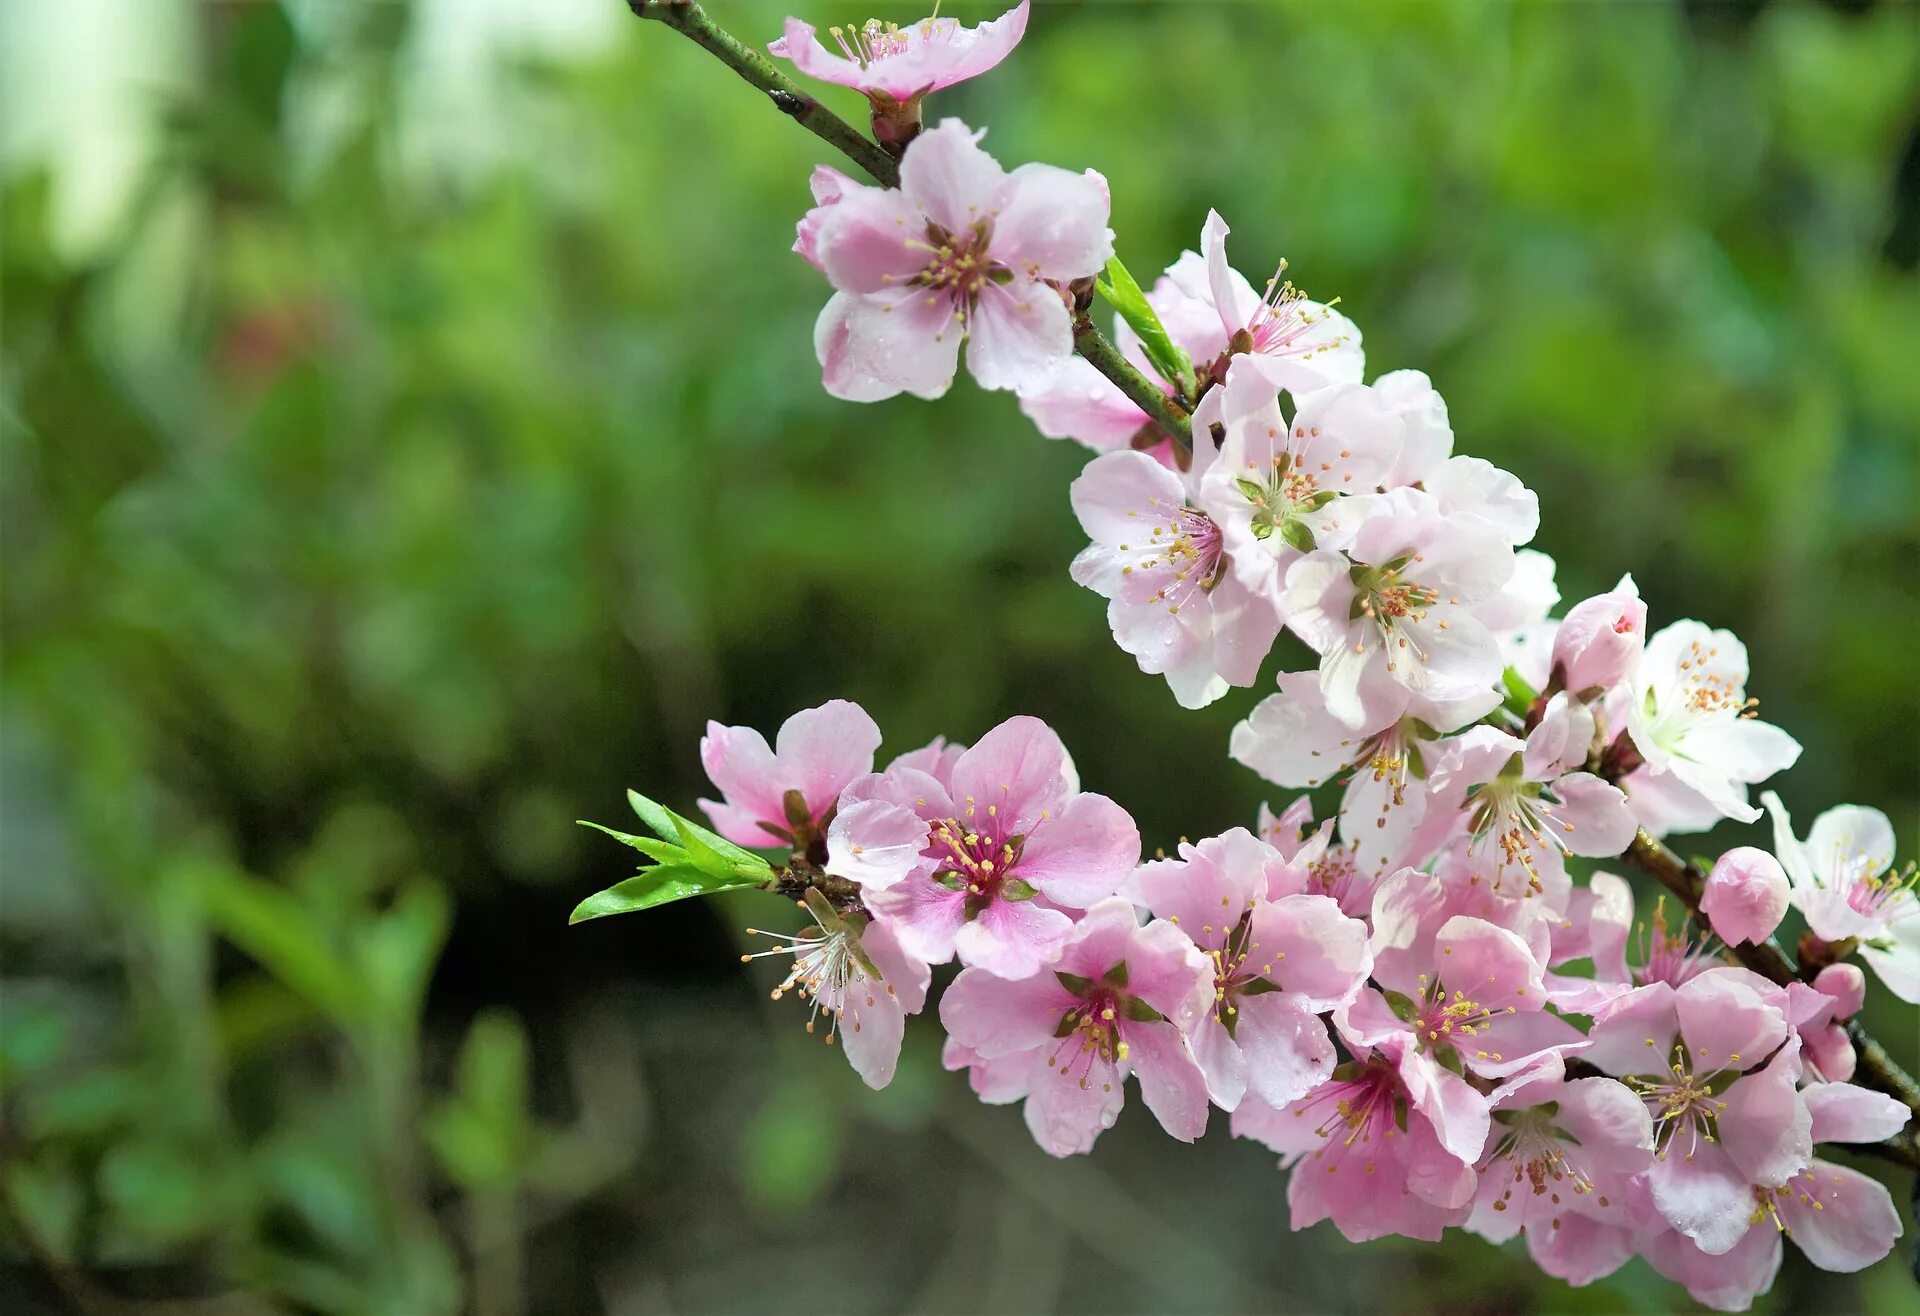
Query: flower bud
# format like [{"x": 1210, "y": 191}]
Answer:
[
  {"x": 1601, "y": 638},
  {"x": 1846, "y": 984},
  {"x": 1746, "y": 895}
]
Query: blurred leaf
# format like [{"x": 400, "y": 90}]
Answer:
[{"x": 482, "y": 1133}]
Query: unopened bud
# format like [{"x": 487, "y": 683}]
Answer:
[
  {"x": 1598, "y": 644},
  {"x": 1746, "y": 895}
]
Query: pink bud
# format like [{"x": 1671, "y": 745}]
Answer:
[
  {"x": 1846, "y": 984},
  {"x": 1746, "y": 895},
  {"x": 1601, "y": 638},
  {"x": 1830, "y": 1051}
]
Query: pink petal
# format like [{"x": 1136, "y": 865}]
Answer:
[
  {"x": 1596, "y": 820},
  {"x": 1458, "y": 1112},
  {"x": 906, "y": 339},
  {"x": 870, "y": 240},
  {"x": 1054, "y": 224},
  {"x": 1490, "y": 964},
  {"x": 799, "y": 44},
  {"x": 1579, "y": 1250},
  {"x": 993, "y": 1016},
  {"x": 875, "y": 843},
  {"x": 739, "y": 761},
  {"x": 1020, "y": 769},
  {"x": 1765, "y": 1125},
  {"x": 1012, "y": 938},
  {"x": 1079, "y": 403},
  {"x": 1170, "y": 1080},
  {"x": 1843, "y": 1112},
  {"x": 924, "y": 915},
  {"x": 1699, "y": 1192},
  {"x": 1726, "y": 1024},
  {"x": 1220, "y": 1061},
  {"x": 1728, "y": 1282},
  {"x": 832, "y": 347},
  {"x": 1286, "y": 1050},
  {"x": 822, "y": 749},
  {"x": 1067, "y": 1109},
  {"x": 871, "y": 1026},
  {"x": 1019, "y": 334},
  {"x": 949, "y": 178},
  {"x": 1316, "y": 952},
  {"x": 1292, "y": 740},
  {"x": 1853, "y": 1225}
]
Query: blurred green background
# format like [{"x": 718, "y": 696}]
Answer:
[{"x": 412, "y": 436}]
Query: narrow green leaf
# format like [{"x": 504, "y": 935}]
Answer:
[
  {"x": 659, "y": 885},
  {"x": 662, "y": 820},
  {"x": 1166, "y": 357},
  {"x": 661, "y": 852}
]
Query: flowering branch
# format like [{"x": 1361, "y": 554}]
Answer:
[
  {"x": 1876, "y": 1068},
  {"x": 694, "y": 23},
  {"x": 1423, "y": 933}
]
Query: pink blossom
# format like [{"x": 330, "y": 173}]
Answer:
[
  {"x": 1117, "y": 1000},
  {"x": 1364, "y": 1155},
  {"x": 985, "y": 867},
  {"x": 1526, "y": 800},
  {"x": 1426, "y": 432},
  {"x": 1745, "y": 896},
  {"x": 1691, "y": 719},
  {"x": 1289, "y": 341},
  {"x": 1282, "y": 487},
  {"x": 1840, "y": 1219},
  {"x": 1846, "y": 885},
  {"x": 855, "y": 971},
  {"x": 1276, "y": 964},
  {"x": 1600, "y": 640},
  {"x": 1557, "y": 1169},
  {"x": 1315, "y": 864},
  {"x": 1395, "y": 609},
  {"x": 935, "y": 758},
  {"x": 783, "y": 793},
  {"x": 1292, "y": 739},
  {"x": 961, "y": 249},
  {"x": 1160, "y": 562},
  {"x": 899, "y": 64},
  {"x": 1717, "y": 1067},
  {"x": 1480, "y": 1003}
]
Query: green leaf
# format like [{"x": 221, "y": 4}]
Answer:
[
  {"x": 662, "y": 884},
  {"x": 1166, "y": 357},
  {"x": 669, "y": 825},
  {"x": 1520, "y": 695},
  {"x": 661, "y": 852}
]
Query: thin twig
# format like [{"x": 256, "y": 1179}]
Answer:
[
  {"x": 1874, "y": 1068},
  {"x": 694, "y": 23}
]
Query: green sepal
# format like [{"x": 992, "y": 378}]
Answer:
[
  {"x": 1416, "y": 763},
  {"x": 1168, "y": 360},
  {"x": 1116, "y": 976},
  {"x": 1255, "y": 492},
  {"x": 1259, "y": 987},
  {"x": 1402, "y": 1005},
  {"x": 1450, "y": 1059},
  {"x": 1297, "y": 535},
  {"x": 1142, "y": 1013},
  {"x": 1073, "y": 982},
  {"x": 1015, "y": 888},
  {"x": 1263, "y": 529}
]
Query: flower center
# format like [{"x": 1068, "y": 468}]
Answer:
[
  {"x": 1540, "y": 1169},
  {"x": 873, "y": 41},
  {"x": 977, "y": 863},
  {"x": 959, "y": 264},
  {"x": 1285, "y": 322},
  {"x": 1183, "y": 552},
  {"x": 829, "y": 968},
  {"x": 1672, "y": 957},
  {"x": 1685, "y": 1106},
  {"x": 1441, "y": 1021},
  {"x": 1357, "y": 1107}
]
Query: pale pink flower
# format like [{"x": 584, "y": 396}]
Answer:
[
  {"x": 1846, "y": 885},
  {"x": 1474, "y": 492},
  {"x": 1600, "y": 925},
  {"x": 1745, "y": 896},
  {"x": 1364, "y": 1155},
  {"x": 1691, "y": 719},
  {"x": 935, "y": 758},
  {"x": 1521, "y": 607},
  {"x": 1160, "y": 561},
  {"x": 1557, "y": 1169},
  {"x": 782, "y": 794},
  {"x": 1289, "y": 341},
  {"x": 1395, "y": 609},
  {"x": 1292, "y": 739},
  {"x": 855, "y": 972},
  {"x": 984, "y": 867},
  {"x": 1117, "y": 1000},
  {"x": 961, "y": 249},
  {"x": 1282, "y": 487},
  {"x": 1315, "y": 864},
  {"x": 1277, "y": 963},
  {"x": 997, "y": 1082},
  {"x": 1840, "y": 1219},
  {"x": 1478, "y": 1004},
  {"x": 1722, "y": 1126},
  {"x": 899, "y": 64},
  {"x": 1600, "y": 640},
  {"x": 1523, "y": 801},
  {"x": 1426, "y": 433}
]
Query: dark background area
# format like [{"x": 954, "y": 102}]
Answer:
[{"x": 411, "y": 436}]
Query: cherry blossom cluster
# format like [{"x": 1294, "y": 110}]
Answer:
[{"x": 1416, "y": 1001}]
